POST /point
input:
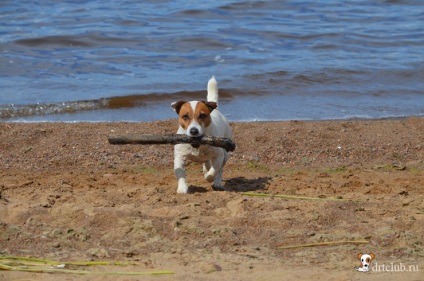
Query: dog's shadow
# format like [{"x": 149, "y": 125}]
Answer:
[
  {"x": 238, "y": 184},
  {"x": 242, "y": 184}
]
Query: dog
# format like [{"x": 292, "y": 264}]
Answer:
[
  {"x": 198, "y": 119},
  {"x": 365, "y": 262}
]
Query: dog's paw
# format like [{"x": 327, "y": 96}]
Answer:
[
  {"x": 182, "y": 189},
  {"x": 209, "y": 177}
]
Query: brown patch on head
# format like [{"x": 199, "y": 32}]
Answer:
[
  {"x": 211, "y": 105},
  {"x": 177, "y": 106},
  {"x": 202, "y": 113},
  {"x": 185, "y": 111}
]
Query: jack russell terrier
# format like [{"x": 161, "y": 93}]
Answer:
[
  {"x": 365, "y": 262},
  {"x": 197, "y": 119}
]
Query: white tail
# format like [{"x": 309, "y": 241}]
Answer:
[{"x": 213, "y": 90}]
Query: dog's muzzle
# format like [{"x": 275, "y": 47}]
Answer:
[
  {"x": 197, "y": 140},
  {"x": 194, "y": 132}
]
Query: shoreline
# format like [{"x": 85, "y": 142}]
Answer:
[{"x": 230, "y": 121}]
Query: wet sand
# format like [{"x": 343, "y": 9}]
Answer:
[{"x": 66, "y": 194}]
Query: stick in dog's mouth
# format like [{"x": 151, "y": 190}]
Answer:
[
  {"x": 225, "y": 143},
  {"x": 196, "y": 141}
]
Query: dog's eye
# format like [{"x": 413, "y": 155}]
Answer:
[
  {"x": 186, "y": 117},
  {"x": 202, "y": 116}
]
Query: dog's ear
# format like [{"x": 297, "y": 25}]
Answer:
[
  {"x": 372, "y": 256},
  {"x": 359, "y": 256},
  {"x": 211, "y": 105},
  {"x": 177, "y": 106}
]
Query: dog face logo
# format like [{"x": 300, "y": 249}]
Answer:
[{"x": 366, "y": 260}]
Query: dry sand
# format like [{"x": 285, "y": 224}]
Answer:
[{"x": 68, "y": 195}]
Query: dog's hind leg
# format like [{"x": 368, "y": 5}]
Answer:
[
  {"x": 217, "y": 180},
  {"x": 217, "y": 169},
  {"x": 207, "y": 166}
]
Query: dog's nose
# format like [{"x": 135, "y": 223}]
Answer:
[{"x": 194, "y": 131}]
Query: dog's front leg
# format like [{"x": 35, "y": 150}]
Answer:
[
  {"x": 179, "y": 169},
  {"x": 181, "y": 177}
]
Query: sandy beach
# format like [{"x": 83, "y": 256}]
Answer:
[{"x": 66, "y": 194}]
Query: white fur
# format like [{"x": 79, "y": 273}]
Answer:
[
  {"x": 213, "y": 90},
  {"x": 213, "y": 158}
]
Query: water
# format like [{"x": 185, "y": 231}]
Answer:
[{"x": 127, "y": 60}]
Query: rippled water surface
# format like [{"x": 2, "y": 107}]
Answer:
[{"x": 274, "y": 60}]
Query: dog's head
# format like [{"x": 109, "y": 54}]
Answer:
[
  {"x": 366, "y": 259},
  {"x": 194, "y": 116}
]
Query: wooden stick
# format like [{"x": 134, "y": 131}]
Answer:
[{"x": 225, "y": 143}]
